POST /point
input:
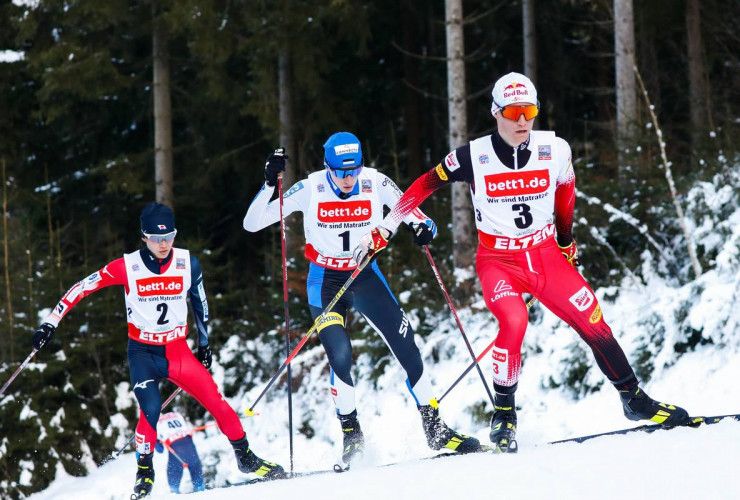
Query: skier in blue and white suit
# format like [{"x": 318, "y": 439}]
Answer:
[{"x": 339, "y": 205}]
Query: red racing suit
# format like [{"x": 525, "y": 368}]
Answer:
[{"x": 522, "y": 198}]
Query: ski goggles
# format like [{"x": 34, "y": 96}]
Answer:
[
  {"x": 342, "y": 173},
  {"x": 514, "y": 112},
  {"x": 159, "y": 238}
]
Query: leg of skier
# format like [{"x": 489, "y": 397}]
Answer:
[
  {"x": 187, "y": 372},
  {"x": 567, "y": 294},
  {"x": 375, "y": 301},
  {"x": 502, "y": 284},
  {"x": 322, "y": 285},
  {"x": 145, "y": 372}
]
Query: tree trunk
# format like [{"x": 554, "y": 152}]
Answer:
[
  {"x": 163, "y": 176},
  {"x": 624, "y": 49},
  {"x": 463, "y": 231},
  {"x": 530, "y": 40},
  {"x": 6, "y": 252},
  {"x": 698, "y": 104},
  {"x": 412, "y": 100}
]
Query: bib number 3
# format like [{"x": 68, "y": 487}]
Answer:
[{"x": 525, "y": 218}]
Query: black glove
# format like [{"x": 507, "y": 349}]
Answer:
[
  {"x": 205, "y": 356},
  {"x": 274, "y": 165},
  {"x": 43, "y": 335},
  {"x": 424, "y": 232}
]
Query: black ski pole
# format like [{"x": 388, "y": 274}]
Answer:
[
  {"x": 319, "y": 320},
  {"x": 20, "y": 368},
  {"x": 116, "y": 454},
  {"x": 287, "y": 321},
  {"x": 457, "y": 319},
  {"x": 477, "y": 360}
]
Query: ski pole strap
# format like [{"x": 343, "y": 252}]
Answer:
[
  {"x": 17, "y": 371},
  {"x": 477, "y": 359},
  {"x": 317, "y": 322}
]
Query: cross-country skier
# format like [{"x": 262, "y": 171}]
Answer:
[
  {"x": 158, "y": 279},
  {"x": 339, "y": 204},
  {"x": 523, "y": 188},
  {"x": 175, "y": 434}
]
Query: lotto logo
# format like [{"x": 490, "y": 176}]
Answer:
[
  {"x": 350, "y": 211},
  {"x": 159, "y": 285},
  {"x": 517, "y": 183}
]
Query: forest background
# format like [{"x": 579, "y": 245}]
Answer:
[{"x": 78, "y": 153}]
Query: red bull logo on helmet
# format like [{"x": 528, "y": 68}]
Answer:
[{"x": 514, "y": 86}]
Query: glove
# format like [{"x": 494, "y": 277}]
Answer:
[
  {"x": 424, "y": 232},
  {"x": 43, "y": 335},
  {"x": 274, "y": 165},
  {"x": 570, "y": 252},
  {"x": 159, "y": 447},
  {"x": 372, "y": 243},
  {"x": 205, "y": 356}
]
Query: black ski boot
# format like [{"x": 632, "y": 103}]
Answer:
[
  {"x": 639, "y": 406},
  {"x": 144, "y": 476},
  {"x": 503, "y": 423},
  {"x": 248, "y": 462},
  {"x": 354, "y": 441},
  {"x": 440, "y": 436}
]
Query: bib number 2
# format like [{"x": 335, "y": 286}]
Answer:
[{"x": 162, "y": 317}]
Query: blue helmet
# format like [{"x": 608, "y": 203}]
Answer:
[{"x": 343, "y": 151}]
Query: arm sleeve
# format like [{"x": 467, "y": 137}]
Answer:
[
  {"x": 390, "y": 193},
  {"x": 455, "y": 167},
  {"x": 263, "y": 212},
  {"x": 112, "y": 274},
  {"x": 565, "y": 196},
  {"x": 198, "y": 301}
]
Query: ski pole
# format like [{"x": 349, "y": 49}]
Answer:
[
  {"x": 287, "y": 322},
  {"x": 320, "y": 319},
  {"x": 20, "y": 368},
  {"x": 477, "y": 360},
  {"x": 116, "y": 454},
  {"x": 457, "y": 319},
  {"x": 171, "y": 450},
  {"x": 202, "y": 427}
]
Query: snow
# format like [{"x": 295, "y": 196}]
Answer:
[{"x": 650, "y": 312}]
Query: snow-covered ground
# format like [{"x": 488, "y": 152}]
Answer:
[
  {"x": 655, "y": 319},
  {"x": 680, "y": 463}
]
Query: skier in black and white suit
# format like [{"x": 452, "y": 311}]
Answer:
[{"x": 339, "y": 205}]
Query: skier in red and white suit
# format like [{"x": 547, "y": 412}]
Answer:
[
  {"x": 523, "y": 188},
  {"x": 158, "y": 279}
]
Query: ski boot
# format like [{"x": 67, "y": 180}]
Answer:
[
  {"x": 639, "y": 406},
  {"x": 353, "y": 442},
  {"x": 144, "y": 476},
  {"x": 248, "y": 462},
  {"x": 503, "y": 424},
  {"x": 440, "y": 436}
]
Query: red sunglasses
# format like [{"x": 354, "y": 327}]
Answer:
[{"x": 514, "y": 112}]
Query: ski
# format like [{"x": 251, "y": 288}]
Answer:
[
  {"x": 693, "y": 422},
  {"x": 263, "y": 480}
]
